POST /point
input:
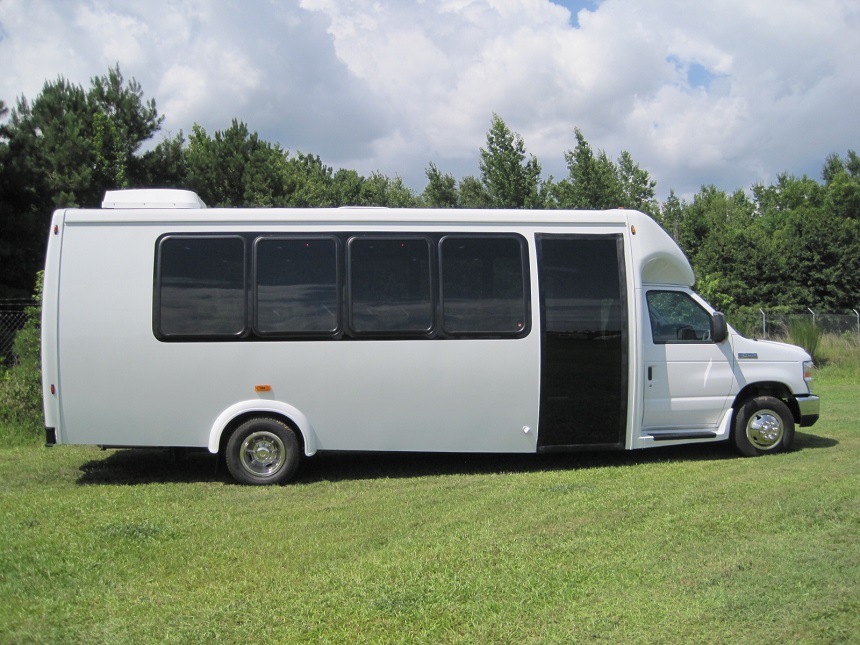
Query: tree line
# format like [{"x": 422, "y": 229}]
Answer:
[{"x": 789, "y": 245}]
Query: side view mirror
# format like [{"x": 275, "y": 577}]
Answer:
[{"x": 719, "y": 327}]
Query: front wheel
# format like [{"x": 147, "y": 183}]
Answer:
[
  {"x": 763, "y": 425},
  {"x": 262, "y": 451}
]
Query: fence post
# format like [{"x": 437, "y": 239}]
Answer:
[
  {"x": 813, "y": 315},
  {"x": 858, "y": 321},
  {"x": 763, "y": 323}
]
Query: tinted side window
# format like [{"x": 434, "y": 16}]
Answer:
[
  {"x": 296, "y": 286},
  {"x": 200, "y": 287},
  {"x": 482, "y": 285},
  {"x": 676, "y": 317},
  {"x": 582, "y": 285},
  {"x": 390, "y": 289}
]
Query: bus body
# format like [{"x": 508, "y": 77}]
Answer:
[{"x": 265, "y": 334}]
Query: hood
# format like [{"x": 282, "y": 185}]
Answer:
[{"x": 768, "y": 350}]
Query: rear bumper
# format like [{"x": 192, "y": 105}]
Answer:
[{"x": 809, "y": 407}]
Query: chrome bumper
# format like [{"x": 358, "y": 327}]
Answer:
[{"x": 809, "y": 407}]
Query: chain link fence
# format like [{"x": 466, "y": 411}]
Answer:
[
  {"x": 777, "y": 325},
  {"x": 13, "y": 317}
]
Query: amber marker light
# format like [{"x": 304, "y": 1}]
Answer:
[{"x": 262, "y": 388}]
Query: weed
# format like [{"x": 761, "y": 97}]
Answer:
[{"x": 805, "y": 333}]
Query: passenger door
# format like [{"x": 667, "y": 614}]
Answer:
[
  {"x": 584, "y": 341},
  {"x": 688, "y": 377}
]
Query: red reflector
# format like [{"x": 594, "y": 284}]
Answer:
[
  {"x": 53, "y": 389},
  {"x": 56, "y": 229}
]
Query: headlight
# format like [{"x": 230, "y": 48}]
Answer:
[{"x": 808, "y": 369}]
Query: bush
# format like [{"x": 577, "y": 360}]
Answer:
[
  {"x": 804, "y": 332},
  {"x": 21, "y": 384}
]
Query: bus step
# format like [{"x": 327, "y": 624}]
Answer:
[{"x": 678, "y": 436}]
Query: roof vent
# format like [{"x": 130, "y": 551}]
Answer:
[{"x": 152, "y": 198}]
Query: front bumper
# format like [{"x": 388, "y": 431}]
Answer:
[{"x": 809, "y": 407}]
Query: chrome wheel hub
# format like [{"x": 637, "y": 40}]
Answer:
[
  {"x": 263, "y": 454},
  {"x": 765, "y": 429}
]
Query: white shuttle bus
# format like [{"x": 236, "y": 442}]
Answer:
[{"x": 266, "y": 335}]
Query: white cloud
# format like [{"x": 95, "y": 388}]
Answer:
[
  {"x": 30, "y": 52},
  {"x": 726, "y": 93},
  {"x": 116, "y": 36}
]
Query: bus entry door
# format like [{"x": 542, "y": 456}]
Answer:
[{"x": 584, "y": 341}]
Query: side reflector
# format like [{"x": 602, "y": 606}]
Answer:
[{"x": 262, "y": 388}]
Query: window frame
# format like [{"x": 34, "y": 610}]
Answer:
[
  {"x": 348, "y": 301},
  {"x": 258, "y": 239},
  {"x": 158, "y": 285},
  {"x": 525, "y": 296}
]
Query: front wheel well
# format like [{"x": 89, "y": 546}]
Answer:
[{"x": 777, "y": 390}]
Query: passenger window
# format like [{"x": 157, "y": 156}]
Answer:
[
  {"x": 296, "y": 286},
  {"x": 483, "y": 282},
  {"x": 582, "y": 285},
  {"x": 677, "y": 318},
  {"x": 389, "y": 286},
  {"x": 200, "y": 287}
]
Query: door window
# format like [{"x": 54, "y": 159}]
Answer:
[{"x": 677, "y": 318}]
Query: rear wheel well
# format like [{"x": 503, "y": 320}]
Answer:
[
  {"x": 230, "y": 428},
  {"x": 776, "y": 390}
]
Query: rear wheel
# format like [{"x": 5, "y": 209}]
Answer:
[
  {"x": 262, "y": 451},
  {"x": 762, "y": 425}
]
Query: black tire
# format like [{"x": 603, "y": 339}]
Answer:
[
  {"x": 763, "y": 425},
  {"x": 262, "y": 451}
]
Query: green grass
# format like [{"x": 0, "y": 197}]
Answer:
[{"x": 687, "y": 544}]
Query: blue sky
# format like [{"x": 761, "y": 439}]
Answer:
[
  {"x": 574, "y": 6},
  {"x": 727, "y": 92}
]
